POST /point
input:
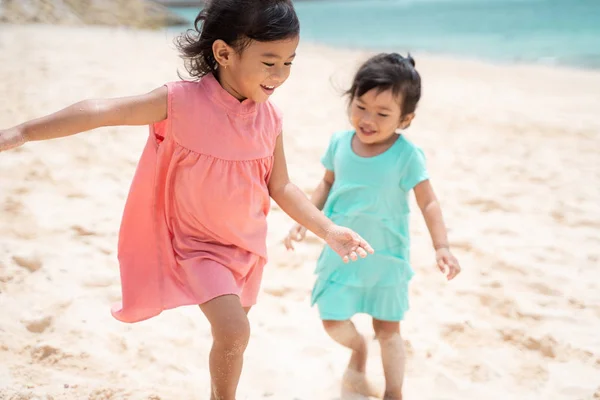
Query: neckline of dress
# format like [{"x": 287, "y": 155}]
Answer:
[{"x": 226, "y": 99}]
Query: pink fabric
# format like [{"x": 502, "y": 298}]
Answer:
[{"x": 194, "y": 225}]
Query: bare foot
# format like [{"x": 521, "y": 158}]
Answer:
[{"x": 357, "y": 383}]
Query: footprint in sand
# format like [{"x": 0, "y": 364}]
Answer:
[
  {"x": 494, "y": 285},
  {"x": 81, "y": 231},
  {"x": 47, "y": 354},
  {"x": 498, "y": 304},
  {"x": 547, "y": 346},
  {"x": 544, "y": 289},
  {"x": 50, "y": 355},
  {"x": 39, "y": 324},
  {"x": 32, "y": 264},
  {"x": 505, "y": 267},
  {"x": 464, "y": 335},
  {"x": 12, "y": 206}
]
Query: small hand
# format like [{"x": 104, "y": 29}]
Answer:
[
  {"x": 296, "y": 234},
  {"x": 347, "y": 243},
  {"x": 11, "y": 138},
  {"x": 447, "y": 263}
]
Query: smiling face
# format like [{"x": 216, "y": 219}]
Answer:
[
  {"x": 376, "y": 115},
  {"x": 257, "y": 69}
]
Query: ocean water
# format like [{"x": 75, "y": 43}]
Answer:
[{"x": 553, "y": 32}]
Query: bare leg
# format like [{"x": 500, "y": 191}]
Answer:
[
  {"x": 392, "y": 356},
  {"x": 345, "y": 333},
  {"x": 231, "y": 332}
]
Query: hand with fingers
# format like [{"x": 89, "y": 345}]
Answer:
[
  {"x": 296, "y": 234},
  {"x": 11, "y": 138},
  {"x": 347, "y": 243},
  {"x": 447, "y": 263}
]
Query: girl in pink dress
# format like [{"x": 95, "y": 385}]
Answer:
[{"x": 194, "y": 225}]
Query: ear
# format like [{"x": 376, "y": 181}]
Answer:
[
  {"x": 222, "y": 52},
  {"x": 405, "y": 120}
]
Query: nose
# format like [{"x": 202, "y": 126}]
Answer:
[
  {"x": 279, "y": 74},
  {"x": 366, "y": 119}
]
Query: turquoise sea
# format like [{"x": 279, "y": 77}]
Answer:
[{"x": 554, "y": 32}]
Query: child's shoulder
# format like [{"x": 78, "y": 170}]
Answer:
[
  {"x": 409, "y": 146},
  {"x": 272, "y": 109},
  {"x": 182, "y": 83},
  {"x": 183, "y": 88}
]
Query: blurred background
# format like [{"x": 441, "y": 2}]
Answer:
[{"x": 551, "y": 32}]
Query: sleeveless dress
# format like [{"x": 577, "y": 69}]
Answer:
[
  {"x": 371, "y": 196},
  {"x": 194, "y": 225}
]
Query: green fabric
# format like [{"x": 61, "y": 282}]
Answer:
[{"x": 371, "y": 196}]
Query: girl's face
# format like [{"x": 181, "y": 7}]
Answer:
[
  {"x": 258, "y": 70},
  {"x": 376, "y": 116}
]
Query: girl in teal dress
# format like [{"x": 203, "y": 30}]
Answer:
[{"x": 370, "y": 171}]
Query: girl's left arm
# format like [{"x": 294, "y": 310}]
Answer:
[
  {"x": 294, "y": 203},
  {"x": 432, "y": 213}
]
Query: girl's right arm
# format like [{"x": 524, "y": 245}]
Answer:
[
  {"x": 90, "y": 114},
  {"x": 318, "y": 198}
]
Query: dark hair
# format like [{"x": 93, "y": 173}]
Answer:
[
  {"x": 389, "y": 71},
  {"x": 237, "y": 23}
]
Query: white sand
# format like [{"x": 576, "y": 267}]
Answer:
[{"x": 514, "y": 152}]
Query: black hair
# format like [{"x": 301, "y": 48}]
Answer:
[
  {"x": 237, "y": 23},
  {"x": 387, "y": 71}
]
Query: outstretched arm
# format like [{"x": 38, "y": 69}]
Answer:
[
  {"x": 90, "y": 114},
  {"x": 348, "y": 244}
]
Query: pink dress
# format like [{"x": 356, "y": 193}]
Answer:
[{"x": 194, "y": 225}]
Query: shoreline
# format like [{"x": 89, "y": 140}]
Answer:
[
  {"x": 460, "y": 58},
  {"x": 444, "y": 55}
]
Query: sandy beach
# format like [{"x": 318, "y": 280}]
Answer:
[{"x": 514, "y": 154}]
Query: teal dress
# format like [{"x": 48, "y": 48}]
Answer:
[{"x": 371, "y": 196}]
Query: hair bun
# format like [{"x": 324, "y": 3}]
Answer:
[{"x": 399, "y": 59}]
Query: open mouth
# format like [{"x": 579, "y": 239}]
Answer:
[
  {"x": 268, "y": 89},
  {"x": 367, "y": 132}
]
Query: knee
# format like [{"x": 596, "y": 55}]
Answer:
[
  {"x": 385, "y": 330},
  {"x": 334, "y": 328},
  {"x": 331, "y": 325},
  {"x": 344, "y": 332},
  {"x": 232, "y": 335}
]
